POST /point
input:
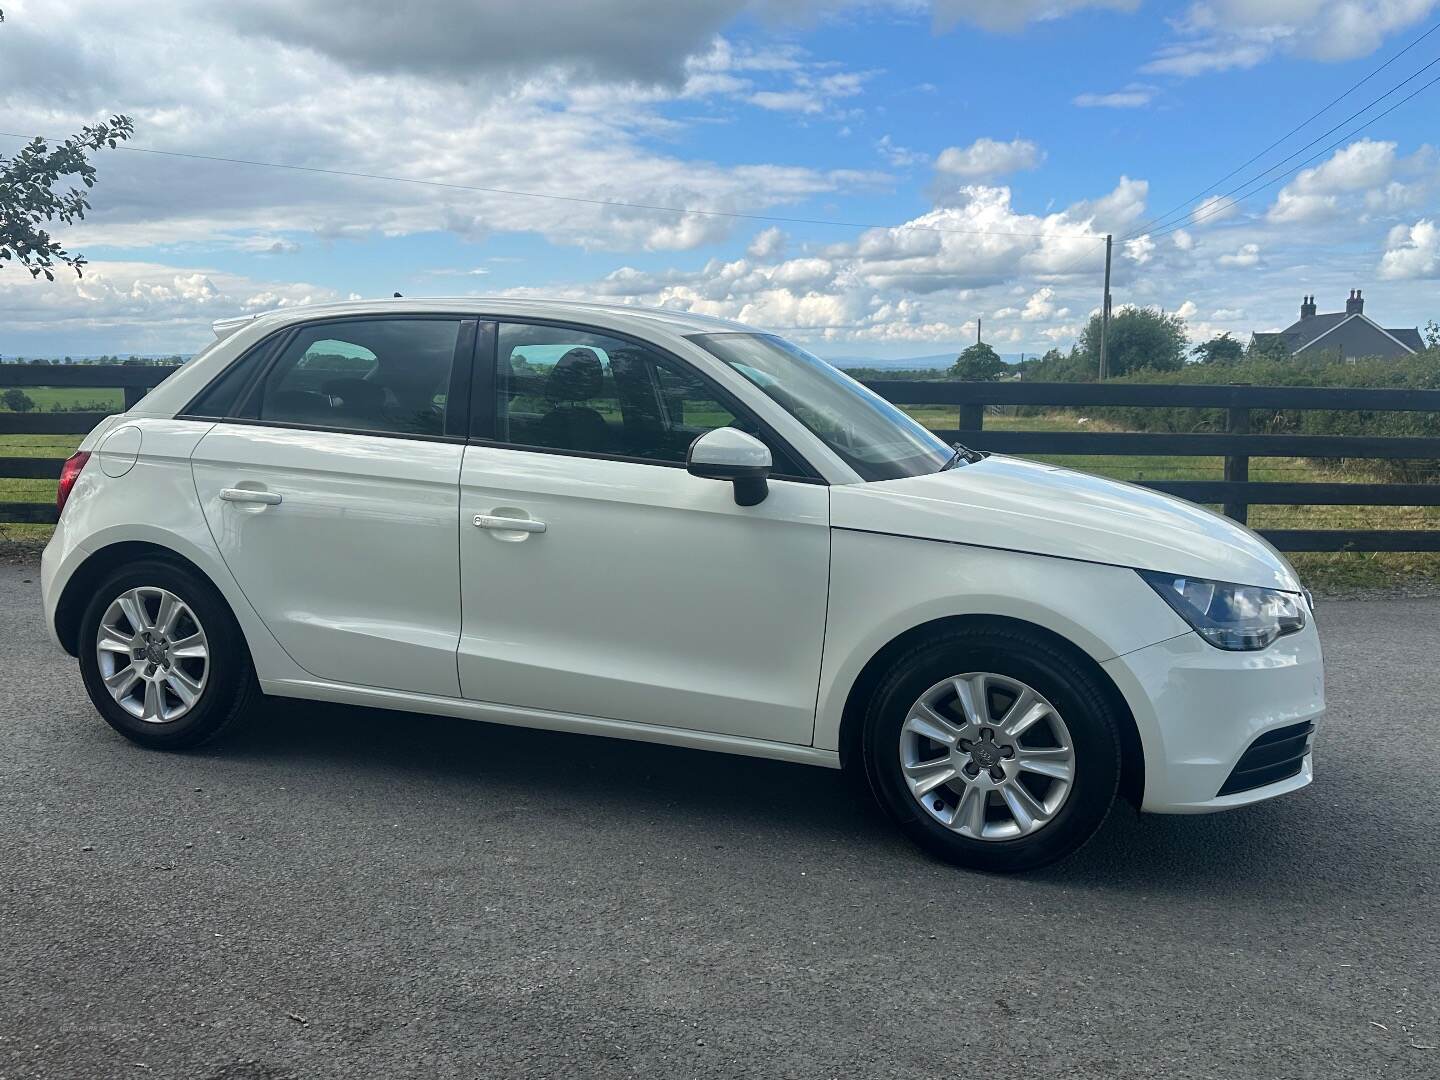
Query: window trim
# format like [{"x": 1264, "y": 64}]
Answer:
[
  {"x": 483, "y": 421},
  {"x": 273, "y": 346}
]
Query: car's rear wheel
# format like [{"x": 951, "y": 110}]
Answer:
[
  {"x": 162, "y": 657},
  {"x": 992, "y": 749}
]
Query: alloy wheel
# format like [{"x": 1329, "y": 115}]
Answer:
[
  {"x": 153, "y": 654},
  {"x": 987, "y": 756}
]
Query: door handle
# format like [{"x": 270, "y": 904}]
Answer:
[
  {"x": 249, "y": 495},
  {"x": 509, "y": 524}
]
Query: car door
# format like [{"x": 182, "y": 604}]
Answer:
[
  {"x": 331, "y": 486},
  {"x": 626, "y": 588}
]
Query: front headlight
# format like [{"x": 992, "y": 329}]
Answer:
[{"x": 1240, "y": 618}]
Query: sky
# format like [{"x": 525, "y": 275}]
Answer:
[{"x": 936, "y": 163}]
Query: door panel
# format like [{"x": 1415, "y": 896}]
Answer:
[
  {"x": 649, "y": 596},
  {"x": 354, "y": 569}
]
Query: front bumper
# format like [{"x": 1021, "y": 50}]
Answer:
[{"x": 1200, "y": 709}]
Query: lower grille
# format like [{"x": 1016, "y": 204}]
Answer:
[{"x": 1277, "y": 755}]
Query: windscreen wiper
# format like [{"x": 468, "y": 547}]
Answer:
[{"x": 964, "y": 455}]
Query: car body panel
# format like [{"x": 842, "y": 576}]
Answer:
[
  {"x": 1198, "y": 708},
  {"x": 651, "y": 596},
  {"x": 1015, "y": 505},
  {"x": 155, "y": 503},
  {"x": 356, "y": 572},
  {"x": 884, "y": 586}
]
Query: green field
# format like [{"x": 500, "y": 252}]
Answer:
[
  {"x": 1327, "y": 571},
  {"x": 73, "y": 399}
]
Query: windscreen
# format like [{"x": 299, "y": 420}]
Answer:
[{"x": 869, "y": 434}]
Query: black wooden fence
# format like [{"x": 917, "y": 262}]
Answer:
[{"x": 1236, "y": 445}]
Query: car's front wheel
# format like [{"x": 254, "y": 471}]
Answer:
[
  {"x": 162, "y": 657},
  {"x": 992, "y": 748}
]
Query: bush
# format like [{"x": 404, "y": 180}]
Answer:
[{"x": 16, "y": 400}]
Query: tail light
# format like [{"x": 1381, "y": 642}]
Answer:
[{"x": 69, "y": 473}]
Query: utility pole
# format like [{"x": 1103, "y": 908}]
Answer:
[
  {"x": 978, "y": 322},
  {"x": 1105, "y": 311}
]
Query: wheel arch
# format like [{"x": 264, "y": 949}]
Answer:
[
  {"x": 1132, "y": 755},
  {"x": 87, "y": 576}
]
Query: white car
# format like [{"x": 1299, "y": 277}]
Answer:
[{"x": 660, "y": 526}]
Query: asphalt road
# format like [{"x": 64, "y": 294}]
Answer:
[{"x": 342, "y": 893}]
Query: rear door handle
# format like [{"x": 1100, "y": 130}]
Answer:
[
  {"x": 249, "y": 495},
  {"x": 509, "y": 524}
]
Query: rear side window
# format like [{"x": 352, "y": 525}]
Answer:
[
  {"x": 386, "y": 375},
  {"x": 220, "y": 397}
]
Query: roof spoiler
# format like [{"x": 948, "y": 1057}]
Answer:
[{"x": 225, "y": 327}]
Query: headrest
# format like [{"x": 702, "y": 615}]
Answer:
[
  {"x": 576, "y": 376},
  {"x": 356, "y": 396}
]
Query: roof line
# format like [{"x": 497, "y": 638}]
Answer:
[{"x": 1342, "y": 322}]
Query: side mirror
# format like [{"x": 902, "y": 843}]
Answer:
[{"x": 730, "y": 454}]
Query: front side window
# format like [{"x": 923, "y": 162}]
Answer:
[
  {"x": 560, "y": 388},
  {"x": 864, "y": 430},
  {"x": 386, "y": 375}
]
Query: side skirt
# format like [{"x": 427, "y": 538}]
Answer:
[{"x": 375, "y": 698}]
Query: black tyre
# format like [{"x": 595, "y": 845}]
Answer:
[
  {"x": 162, "y": 657},
  {"x": 992, "y": 748}
]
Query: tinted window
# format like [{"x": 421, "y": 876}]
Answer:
[
  {"x": 566, "y": 389},
  {"x": 219, "y": 398},
  {"x": 389, "y": 375}
]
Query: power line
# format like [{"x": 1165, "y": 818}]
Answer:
[
  {"x": 1153, "y": 222},
  {"x": 1313, "y": 157},
  {"x": 614, "y": 203},
  {"x": 1330, "y": 131}
]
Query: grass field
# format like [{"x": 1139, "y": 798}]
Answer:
[
  {"x": 82, "y": 398},
  {"x": 1326, "y": 571}
]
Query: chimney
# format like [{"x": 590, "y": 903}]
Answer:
[
  {"x": 1307, "y": 307},
  {"x": 1356, "y": 304}
]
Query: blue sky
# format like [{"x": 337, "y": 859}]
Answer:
[{"x": 989, "y": 144}]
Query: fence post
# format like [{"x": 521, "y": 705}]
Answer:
[
  {"x": 972, "y": 417},
  {"x": 1237, "y": 466},
  {"x": 133, "y": 394}
]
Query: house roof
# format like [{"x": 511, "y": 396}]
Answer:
[{"x": 1306, "y": 332}]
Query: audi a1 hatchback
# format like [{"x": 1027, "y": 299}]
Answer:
[{"x": 654, "y": 525}]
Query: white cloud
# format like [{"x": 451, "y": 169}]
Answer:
[
  {"x": 987, "y": 158},
  {"x": 1134, "y": 96},
  {"x": 1248, "y": 255},
  {"x": 1367, "y": 168},
  {"x": 154, "y": 306},
  {"x": 1182, "y": 239},
  {"x": 1412, "y": 252},
  {"x": 275, "y": 102},
  {"x": 1040, "y": 305},
  {"x": 767, "y": 244},
  {"x": 1187, "y": 310},
  {"x": 1226, "y": 35},
  {"x": 1139, "y": 249},
  {"x": 899, "y": 156},
  {"x": 1215, "y": 208},
  {"x": 1205, "y": 58}
]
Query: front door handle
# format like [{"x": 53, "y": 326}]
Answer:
[
  {"x": 509, "y": 524},
  {"x": 249, "y": 495}
]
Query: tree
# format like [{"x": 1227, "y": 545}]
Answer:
[
  {"x": 1223, "y": 349},
  {"x": 1139, "y": 338},
  {"x": 1432, "y": 335},
  {"x": 29, "y": 201},
  {"x": 16, "y": 400},
  {"x": 979, "y": 363}
]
